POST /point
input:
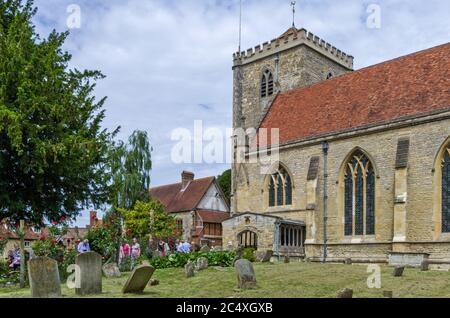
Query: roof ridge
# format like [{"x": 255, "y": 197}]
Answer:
[{"x": 176, "y": 183}]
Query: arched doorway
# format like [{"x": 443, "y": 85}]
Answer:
[{"x": 248, "y": 239}]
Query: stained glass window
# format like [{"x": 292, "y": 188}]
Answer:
[
  {"x": 446, "y": 192},
  {"x": 280, "y": 188},
  {"x": 359, "y": 197}
]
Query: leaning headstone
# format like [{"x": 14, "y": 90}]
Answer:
[
  {"x": 398, "y": 271},
  {"x": 246, "y": 274},
  {"x": 44, "y": 278},
  {"x": 345, "y": 293},
  {"x": 90, "y": 265},
  {"x": 265, "y": 257},
  {"x": 202, "y": 264},
  {"x": 153, "y": 282},
  {"x": 138, "y": 280},
  {"x": 348, "y": 261},
  {"x": 111, "y": 270},
  {"x": 424, "y": 266},
  {"x": 205, "y": 249},
  {"x": 189, "y": 269},
  {"x": 387, "y": 294}
]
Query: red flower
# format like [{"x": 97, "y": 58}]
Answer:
[
  {"x": 63, "y": 218},
  {"x": 54, "y": 223}
]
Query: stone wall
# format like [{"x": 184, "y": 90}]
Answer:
[{"x": 423, "y": 219}]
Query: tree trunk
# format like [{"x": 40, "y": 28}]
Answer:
[{"x": 22, "y": 253}]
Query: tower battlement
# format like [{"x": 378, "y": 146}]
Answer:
[{"x": 293, "y": 38}]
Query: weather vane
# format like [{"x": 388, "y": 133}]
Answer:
[{"x": 293, "y": 3}]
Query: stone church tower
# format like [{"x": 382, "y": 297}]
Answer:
[{"x": 296, "y": 59}]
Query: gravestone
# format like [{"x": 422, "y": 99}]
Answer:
[
  {"x": 398, "y": 271},
  {"x": 205, "y": 249},
  {"x": 424, "y": 267},
  {"x": 348, "y": 261},
  {"x": 138, "y": 280},
  {"x": 287, "y": 259},
  {"x": 153, "y": 282},
  {"x": 90, "y": 265},
  {"x": 246, "y": 274},
  {"x": 265, "y": 257},
  {"x": 44, "y": 278},
  {"x": 202, "y": 264},
  {"x": 345, "y": 293},
  {"x": 111, "y": 270},
  {"x": 189, "y": 269},
  {"x": 387, "y": 294}
]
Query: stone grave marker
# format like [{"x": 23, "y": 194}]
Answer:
[
  {"x": 189, "y": 269},
  {"x": 90, "y": 265},
  {"x": 111, "y": 270},
  {"x": 398, "y": 271},
  {"x": 425, "y": 266},
  {"x": 348, "y": 261},
  {"x": 153, "y": 282},
  {"x": 245, "y": 274},
  {"x": 345, "y": 293},
  {"x": 265, "y": 257},
  {"x": 202, "y": 264},
  {"x": 388, "y": 294},
  {"x": 138, "y": 280},
  {"x": 44, "y": 278},
  {"x": 205, "y": 249}
]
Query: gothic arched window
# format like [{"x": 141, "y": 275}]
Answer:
[
  {"x": 280, "y": 188},
  {"x": 446, "y": 191},
  {"x": 248, "y": 239},
  {"x": 359, "y": 197},
  {"x": 267, "y": 84}
]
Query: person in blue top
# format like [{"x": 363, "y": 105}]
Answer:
[{"x": 84, "y": 247}]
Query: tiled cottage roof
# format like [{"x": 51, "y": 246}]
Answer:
[
  {"x": 176, "y": 200},
  {"x": 30, "y": 235},
  {"x": 401, "y": 88}
]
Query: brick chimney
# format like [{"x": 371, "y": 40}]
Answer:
[
  {"x": 93, "y": 218},
  {"x": 186, "y": 178}
]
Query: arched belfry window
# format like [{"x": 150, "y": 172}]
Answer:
[
  {"x": 359, "y": 198},
  {"x": 446, "y": 191},
  {"x": 267, "y": 84},
  {"x": 280, "y": 188}
]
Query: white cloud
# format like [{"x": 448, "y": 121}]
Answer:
[{"x": 164, "y": 59}]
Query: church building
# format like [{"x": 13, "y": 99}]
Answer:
[{"x": 364, "y": 156}]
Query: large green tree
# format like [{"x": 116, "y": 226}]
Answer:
[
  {"x": 52, "y": 147},
  {"x": 224, "y": 181}
]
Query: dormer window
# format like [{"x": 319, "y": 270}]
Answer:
[
  {"x": 267, "y": 84},
  {"x": 330, "y": 76}
]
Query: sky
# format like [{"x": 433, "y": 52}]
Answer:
[{"x": 168, "y": 62}]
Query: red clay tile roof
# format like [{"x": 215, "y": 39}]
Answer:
[
  {"x": 408, "y": 86},
  {"x": 30, "y": 235},
  {"x": 209, "y": 216},
  {"x": 176, "y": 200}
]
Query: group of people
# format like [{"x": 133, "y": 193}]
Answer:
[{"x": 127, "y": 251}]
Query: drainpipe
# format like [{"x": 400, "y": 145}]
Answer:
[
  {"x": 277, "y": 239},
  {"x": 325, "y": 148}
]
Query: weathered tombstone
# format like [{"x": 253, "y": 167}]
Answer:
[
  {"x": 265, "y": 257},
  {"x": 245, "y": 273},
  {"x": 387, "y": 294},
  {"x": 202, "y": 263},
  {"x": 287, "y": 259},
  {"x": 348, "y": 261},
  {"x": 345, "y": 293},
  {"x": 153, "y": 282},
  {"x": 189, "y": 269},
  {"x": 424, "y": 266},
  {"x": 90, "y": 265},
  {"x": 111, "y": 270},
  {"x": 205, "y": 249},
  {"x": 398, "y": 271},
  {"x": 44, "y": 278},
  {"x": 138, "y": 280}
]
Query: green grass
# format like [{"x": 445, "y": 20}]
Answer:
[{"x": 294, "y": 280}]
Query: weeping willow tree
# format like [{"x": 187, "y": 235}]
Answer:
[{"x": 130, "y": 167}]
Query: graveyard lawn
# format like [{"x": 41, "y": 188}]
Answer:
[{"x": 294, "y": 280}]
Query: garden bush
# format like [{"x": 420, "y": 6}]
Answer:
[
  {"x": 223, "y": 258},
  {"x": 249, "y": 254}
]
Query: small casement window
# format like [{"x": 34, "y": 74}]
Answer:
[
  {"x": 27, "y": 243},
  {"x": 291, "y": 236},
  {"x": 446, "y": 191},
  {"x": 267, "y": 84},
  {"x": 359, "y": 197},
  {"x": 248, "y": 239},
  {"x": 179, "y": 226},
  {"x": 330, "y": 76},
  {"x": 280, "y": 188}
]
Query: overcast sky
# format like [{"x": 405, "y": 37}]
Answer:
[{"x": 168, "y": 62}]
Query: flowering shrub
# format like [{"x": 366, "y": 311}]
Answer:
[
  {"x": 224, "y": 258},
  {"x": 104, "y": 240}
]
